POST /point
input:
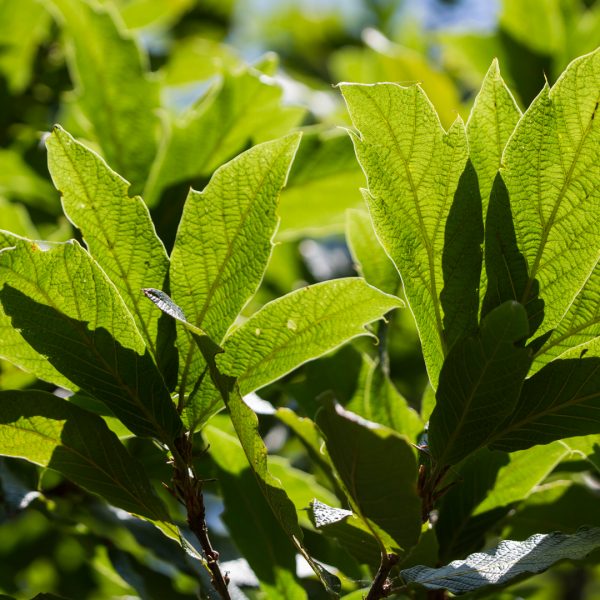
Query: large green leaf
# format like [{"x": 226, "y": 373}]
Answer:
[
  {"x": 551, "y": 173},
  {"x": 479, "y": 385},
  {"x": 250, "y": 522},
  {"x": 116, "y": 227},
  {"x": 324, "y": 181},
  {"x": 51, "y": 432},
  {"x": 507, "y": 561},
  {"x": 299, "y": 327},
  {"x": 244, "y": 109},
  {"x": 15, "y": 349},
  {"x": 491, "y": 122},
  {"x": 114, "y": 90},
  {"x": 560, "y": 401},
  {"x": 66, "y": 308},
  {"x": 223, "y": 245},
  {"x": 425, "y": 205},
  {"x": 382, "y": 492},
  {"x": 369, "y": 256}
]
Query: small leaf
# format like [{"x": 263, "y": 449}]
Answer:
[
  {"x": 349, "y": 530},
  {"x": 116, "y": 228},
  {"x": 65, "y": 307},
  {"x": 51, "y": 432},
  {"x": 560, "y": 401},
  {"x": 114, "y": 89},
  {"x": 509, "y": 560},
  {"x": 382, "y": 492},
  {"x": 413, "y": 168},
  {"x": 479, "y": 385},
  {"x": 223, "y": 245}
]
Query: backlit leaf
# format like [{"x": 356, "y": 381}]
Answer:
[{"x": 64, "y": 306}]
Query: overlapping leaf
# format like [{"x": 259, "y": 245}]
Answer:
[
  {"x": 54, "y": 433},
  {"x": 15, "y": 349},
  {"x": 382, "y": 492},
  {"x": 116, "y": 228},
  {"x": 65, "y": 307},
  {"x": 551, "y": 173},
  {"x": 114, "y": 91},
  {"x": 560, "y": 401},
  {"x": 419, "y": 198},
  {"x": 479, "y": 385}
]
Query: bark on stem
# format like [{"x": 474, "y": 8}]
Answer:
[
  {"x": 381, "y": 587},
  {"x": 189, "y": 491}
]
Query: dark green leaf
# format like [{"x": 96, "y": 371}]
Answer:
[
  {"x": 378, "y": 469},
  {"x": 479, "y": 385}
]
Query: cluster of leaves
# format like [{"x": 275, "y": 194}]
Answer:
[{"x": 153, "y": 320}]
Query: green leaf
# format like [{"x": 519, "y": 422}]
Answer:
[
  {"x": 369, "y": 256},
  {"x": 488, "y": 484},
  {"x": 116, "y": 228},
  {"x": 579, "y": 328},
  {"x": 23, "y": 26},
  {"x": 18, "y": 351},
  {"x": 324, "y": 182},
  {"x": 51, "y": 432},
  {"x": 15, "y": 218},
  {"x": 507, "y": 561},
  {"x": 348, "y": 529},
  {"x": 382, "y": 490},
  {"x": 377, "y": 399},
  {"x": 560, "y": 401},
  {"x": 223, "y": 245},
  {"x": 479, "y": 385},
  {"x": 299, "y": 327},
  {"x": 114, "y": 90},
  {"x": 551, "y": 171},
  {"x": 65, "y": 307},
  {"x": 250, "y": 521},
  {"x": 419, "y": 198},
  {"x": 493, "y": 118},
  {"x": 243, "y": 109}
]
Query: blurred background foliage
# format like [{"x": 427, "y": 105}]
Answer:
[{"x": 168, "y": 90}]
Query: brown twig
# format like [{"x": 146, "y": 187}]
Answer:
[
  {"x": 188, "y": 489},
  {"x": 381, "y": 587}
]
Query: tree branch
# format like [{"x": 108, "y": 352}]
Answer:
[
  {"x": 188, "y": 489},
  {"x": 381, "y": 587}
]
